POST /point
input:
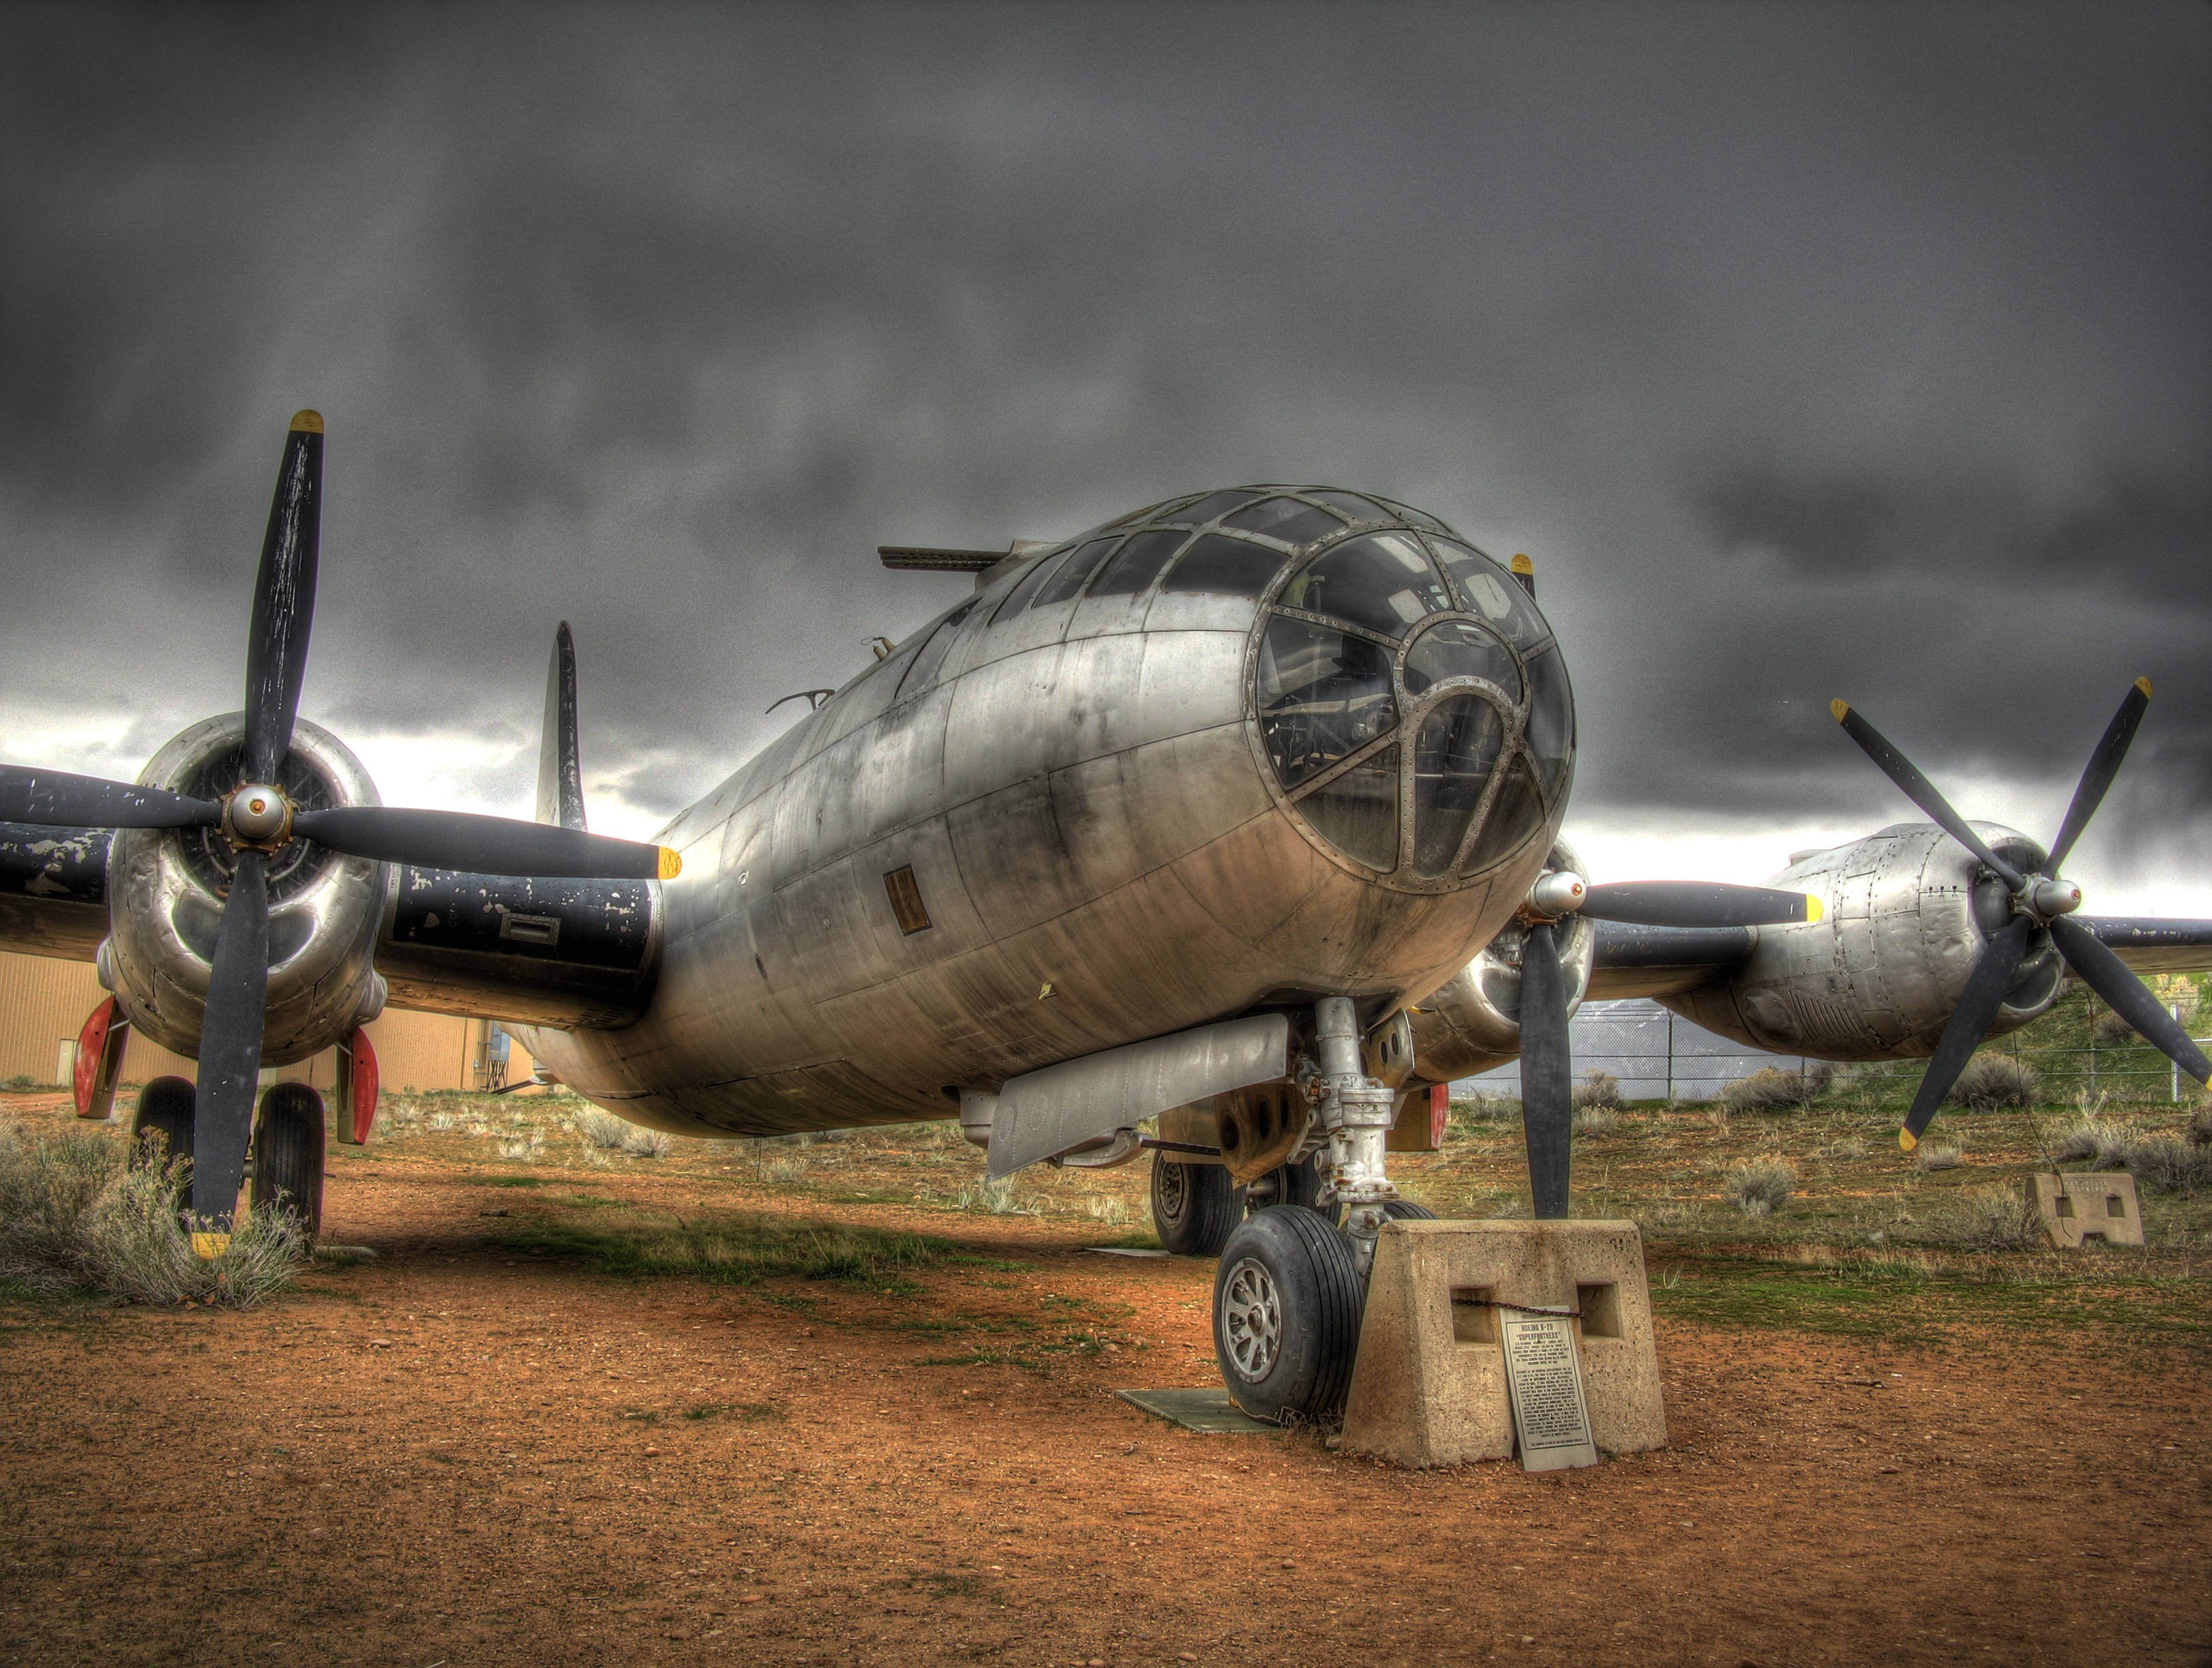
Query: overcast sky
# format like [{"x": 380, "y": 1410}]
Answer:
[{"x": 1810, "y": 352}]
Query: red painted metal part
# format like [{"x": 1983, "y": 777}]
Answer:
[
  {"x": 93, "y": 1080},
  {"x": 363, "y": 1110},
  {"x": 1439, "y": 1114}
]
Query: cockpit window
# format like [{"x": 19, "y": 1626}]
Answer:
[
  {"x": 1290, "y": 519},
  {"x": 1072, "y": 572},
  {"x": 1139, "y": 563},
  {"x": 1018, "y": 598},
  {"x": 1550, "y": 721},
  {"x": 1419, "y": 518},
  {"x": 1229, "y": 567},
  {"x": 1324, "y": 694},
  {"x": 1218, "y": 503},
  {"x": 923, "y": 672},
  {"x": 1384, "y": 582},
  {"x": 1492, "y": 592},
  {"x": 1454, "y": 754}
]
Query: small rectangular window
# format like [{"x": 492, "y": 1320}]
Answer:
[
  {"x": 906, "y": 900},
  {"x": 921, "y": 671},
  {"x": 1018, "y": 598}
]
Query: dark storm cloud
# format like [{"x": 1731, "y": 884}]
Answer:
[{"x": 1814, "y": 351}]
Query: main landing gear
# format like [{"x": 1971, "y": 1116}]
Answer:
[
  {"x": 1196, "y": 1206},
  {"x": 1291, "y": 1285},
  {"x": 287, "y": 1145}
]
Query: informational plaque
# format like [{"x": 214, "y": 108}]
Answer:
[{"x": 1544, "y": 1382}]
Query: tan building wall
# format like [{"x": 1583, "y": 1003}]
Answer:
[{"x": 44, "y": 1003}]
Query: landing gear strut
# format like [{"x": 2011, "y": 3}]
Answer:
[{"x": 1290, "y": 1286}]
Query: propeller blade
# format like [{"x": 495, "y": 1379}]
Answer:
[
  {"x": 2103, "y": 766},
  {"x": 1970, "y": 1022},
  {"x": 1696, "y": 904},
  {"x": 484, "y": 845},
  {"x": 284, "y": 601},
  {"x": 2127, "y": 996},
  {"x": 54, "y": 799},
  {"x": 230, "y": 1053},
  {"x": 1921, "y": 791},
  {"x": 1547, "y": 1074}
]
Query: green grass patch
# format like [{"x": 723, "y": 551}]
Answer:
[
  {"x": 739, "y": 1249},
  {"x": 513, "y": 1181}
]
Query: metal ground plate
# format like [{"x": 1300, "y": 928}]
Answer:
[{"x": 1200, "y": 1410}]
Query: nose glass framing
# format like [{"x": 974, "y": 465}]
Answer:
[{"x": 1423, "y": 728}]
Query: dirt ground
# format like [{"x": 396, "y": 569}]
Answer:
[{"x": 465, "y": 1452}]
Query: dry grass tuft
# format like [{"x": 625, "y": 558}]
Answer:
[
  {"x": 2160, "y": 1163},
  {"x": 1929, "y": 1157},
  {"x": 1599, "y": 1090},
  {"x": 2092, "y": 1141},
  {"x": 1595, "y": 1120},
  {"x": 75, "y": 1219},
  {"x": 1757, "y": 1187},
  {"x": 1991, "y": 1080},
  {"x": 1986, "y": 1219},
  {"x": 602, "y": 1129},
  {"x": 1768, "y": 1090}
]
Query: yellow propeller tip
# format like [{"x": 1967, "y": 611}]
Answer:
[
  {"x": 671, "y": 862},
  {"x": 1907, "y": 1140},
  {"x": 1815, "y": 909},
  {"x": 1839, "y": 710},
  {"x": 306, "y": 422},
  {"x": 2144, "y": 683},
  {"x": 1521, "y": 565},
  {"x": 209, "y": 1246}
]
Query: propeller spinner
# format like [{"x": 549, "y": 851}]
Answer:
[
  {"x": 257, "y": 820},
  {"x": 2041, "y": 898}
]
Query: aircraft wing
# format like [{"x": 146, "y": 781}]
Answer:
[
  {"x": 1663, "y": 961},
  {"x": 53, "y": 890}
]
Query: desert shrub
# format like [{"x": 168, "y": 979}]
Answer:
[
  {"x": 1770, "y": 1090},
  {"x": 1595, "y": 1120},
  {"x": 2200, "y": 1126},
  {"x": 1991, "y": 1080},
  {"x": 1986, "y": 1219},
  {"x": 74, "y": 1219},
  {"x": 1600, "y": 1089},
  {"x": 2112, "y": 1027},
  {"x": 524, "y": 1149},
  {"x": 1758, "y": 1186},
  {"x": 784, "y": 1170},
  {"x": 2091, "y": 1141},
  {"x": 1481, "y": 1108},
  {"x": 610, "y": 1134},
  {"x": 1105, "y": 1208},
  {"x": 2160, "y": 1163},
  {"x": 998, "y": 1198},
  {"x": 21, "y": 1080},
  {"x": 1938, "y": 1158}
]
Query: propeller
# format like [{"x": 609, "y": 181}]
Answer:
[
  {"x": 257, "y": 820},
  {"x": 2040, "y": 900},
  {"x": 1548, "y": 1066}
]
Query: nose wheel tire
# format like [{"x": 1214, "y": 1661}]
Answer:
[
  {"x": 1195, "y": 1206},
  {"x": 288, "y": 1154},
  {"x": 1286, "y": 1309}
]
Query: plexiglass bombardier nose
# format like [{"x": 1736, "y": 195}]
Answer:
[{"x": 1412, "y": 704}]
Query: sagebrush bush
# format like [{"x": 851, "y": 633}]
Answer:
[
  {"x": 2112, "y": 1027},
  {"x": 603, "y": 1129},
  {"x": 1770, "y": 1090},
  {"x": 2160, "y": 1163},
  {"x": 2200, "y": 1126},
  {"x": 1598, "y": 1088},
  {"x": 1991, "y": 1080},
  {"x": 1595, "y": 1120},
  {"x": 1986, "y": 1219},
  {"x": 74, "y": 1219},
  {"x": 2091, "y": 1141},
  {"x": 1757, "y": 1187}
]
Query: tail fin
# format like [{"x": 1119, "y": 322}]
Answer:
[{"x": 560, "y": 768}]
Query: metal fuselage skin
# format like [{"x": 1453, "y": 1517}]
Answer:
[{"x": 1102, "y": 849}]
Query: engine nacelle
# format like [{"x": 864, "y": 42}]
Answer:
[
  {"x": 165, "y": 892},
  {"x": 1906, "y": 913},
  {"x": 1472, "y": 1022}
]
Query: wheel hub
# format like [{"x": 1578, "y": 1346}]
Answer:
[{"x": 1251, "y": 1320}]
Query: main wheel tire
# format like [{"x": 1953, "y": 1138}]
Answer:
[
  {"x": 1195, "y": 1207},
  {"x": 1287, "y": 1184},
  {"x": 1286, "y": 1309},
  {"x": 288, "y": 1154},
  {"x": 165, "y": 1112},
  {"x": 1405, "y": 1210}
]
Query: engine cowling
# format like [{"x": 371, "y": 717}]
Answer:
[
  {"x": 165, "y": 891},
  {"x": 1472, "y": 1022},
  {"x": 1907, "y": 912}
]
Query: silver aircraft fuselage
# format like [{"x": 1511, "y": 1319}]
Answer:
[{"x": 1022, "y": 839}]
